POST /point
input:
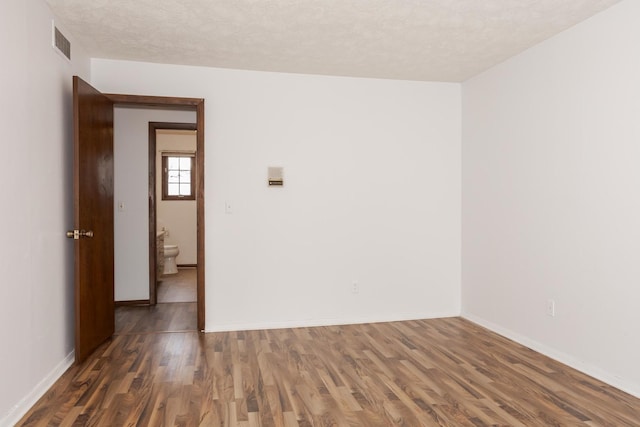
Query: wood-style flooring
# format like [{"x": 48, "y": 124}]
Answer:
[
  {"x": 441, "y": 372},
  {"x": 173, "y": 317},
  {"x": 176, "y": 310}
]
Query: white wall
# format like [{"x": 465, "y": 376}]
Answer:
[
  {"x": 178, "y": 217},
  {"x": 131, "y": 187},
  {"x": 372, "y": 193},
  {"x": 551, "y": 200},
  {"x": 36, "y": 260}
]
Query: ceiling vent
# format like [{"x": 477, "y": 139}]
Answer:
[{"x": 61, "y": 43}]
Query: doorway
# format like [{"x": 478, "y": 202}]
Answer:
[
  {"x": 93, "y": 198},
  {"x": 186, "y": 104},
  {"x": 172, "y": 212}
]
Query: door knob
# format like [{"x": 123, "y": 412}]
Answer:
[{"x": 76, "y": 234}]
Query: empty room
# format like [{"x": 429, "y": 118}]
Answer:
[{"x": 411, "y": 213}]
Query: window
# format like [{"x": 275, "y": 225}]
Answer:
[{"x": 178, "y": 177}]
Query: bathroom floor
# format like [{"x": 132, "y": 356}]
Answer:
[{"x": 179, "y": 287}]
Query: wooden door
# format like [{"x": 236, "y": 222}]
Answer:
[{"x": 93, "y": 217}]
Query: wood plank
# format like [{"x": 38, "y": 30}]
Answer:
[{"x": 441, "y": 372}]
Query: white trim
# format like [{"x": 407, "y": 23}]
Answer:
[
  {"x": 584, "y": 367},
  {"x": 17, "y": 412},
  {"x": 228, "y": 327}
]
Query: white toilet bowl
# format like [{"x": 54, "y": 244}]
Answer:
[{"x": 170, "y": 254}]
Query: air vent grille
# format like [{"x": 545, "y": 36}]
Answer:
[{"x": 61, "y": 43}]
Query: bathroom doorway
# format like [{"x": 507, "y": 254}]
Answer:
[
  {"x": 172, "y": 212},
  {"x": 137, "y": 232}
]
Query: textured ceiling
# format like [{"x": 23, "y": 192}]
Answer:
[{"x": 433, "y": 40}]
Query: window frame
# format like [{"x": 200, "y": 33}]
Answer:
[{"x": 165, "y": 177}]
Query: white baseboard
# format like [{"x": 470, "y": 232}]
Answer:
[
  {"x": 308, "y": 323},
  {"x": 598, "y": 373},
  {"x": 22, "y": 407}
]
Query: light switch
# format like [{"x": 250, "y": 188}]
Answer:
[
  {"x": 227, "y": 207},
  {"x": 121, "y": 207}
]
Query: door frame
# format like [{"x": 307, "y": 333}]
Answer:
[
  {"x": 189, "y": 104},
  {"x": 153, "y": 203}
]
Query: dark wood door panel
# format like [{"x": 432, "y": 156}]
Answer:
[{"x": 93, "y": 199}]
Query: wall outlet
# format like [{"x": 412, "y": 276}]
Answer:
[
  {"x": 355, "y": 288},
  {"x": 551, "y": 308}
]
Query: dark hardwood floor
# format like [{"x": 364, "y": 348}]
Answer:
[
  {"x": 176, "y": 310},
  {"x": 442, "y": 372},
  {"x": 173, "y": 317}
]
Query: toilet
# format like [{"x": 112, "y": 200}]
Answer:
[{"x": 170, "y": 254}]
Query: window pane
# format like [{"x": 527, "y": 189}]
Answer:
[
  {"x": 185, "y": 176},
  {"x": 178, "y": 175},
  {"x": 185, "y": 163},
  {"x": 174, "y": 176},
  {"x": 173, "y": 162}
]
